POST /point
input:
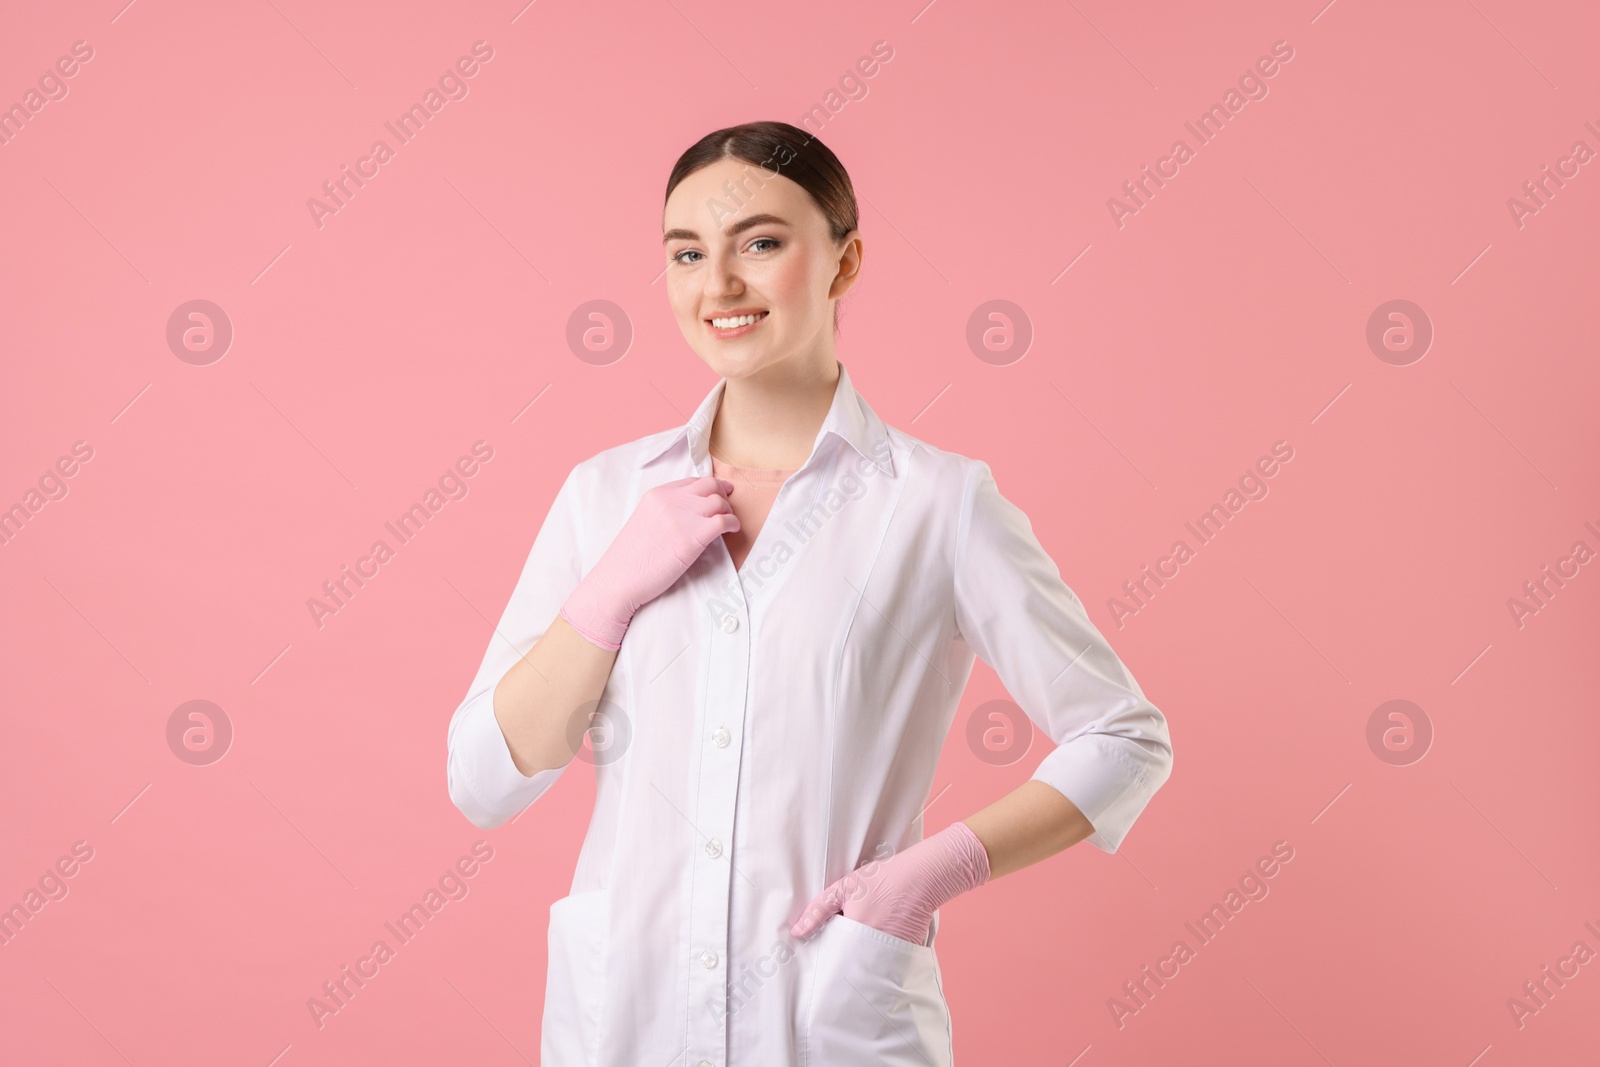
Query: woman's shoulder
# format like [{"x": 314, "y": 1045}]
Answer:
[
  {"x": 922, "y": 459},
  {"x": 605, "y": 467}
]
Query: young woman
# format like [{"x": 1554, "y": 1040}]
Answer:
[{"x": 769, "y": 614}]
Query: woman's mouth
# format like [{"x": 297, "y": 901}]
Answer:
[{"x": 728, "y": 327}]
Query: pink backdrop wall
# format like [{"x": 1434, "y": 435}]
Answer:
[{"x": 1433, "y": 873}]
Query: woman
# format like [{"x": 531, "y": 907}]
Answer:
[{"x": 771, "y": 613}]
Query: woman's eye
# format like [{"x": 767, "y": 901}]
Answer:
[{"x": 760, "y": 244}]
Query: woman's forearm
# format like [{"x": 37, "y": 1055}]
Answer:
[
  {"x": 543, "y": 703},
  {"x": 1031, "y": 823}
]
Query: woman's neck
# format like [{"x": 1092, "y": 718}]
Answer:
[{"x": 769, "y": 420}]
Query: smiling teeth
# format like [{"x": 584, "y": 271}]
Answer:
[{"x": 735, "y": 322}]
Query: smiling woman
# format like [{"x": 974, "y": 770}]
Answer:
[
  {"x": 722, "y": 182},
  {"x": 772, "y": 674}
]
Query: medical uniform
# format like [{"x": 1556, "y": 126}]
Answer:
[{"x": 771, "y": 728}]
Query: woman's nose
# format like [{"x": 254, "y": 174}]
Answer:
[{"x": 725, "y": 276}]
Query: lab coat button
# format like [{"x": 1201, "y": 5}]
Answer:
[
  {"x": 708, "y": 958},
  {"x": 713, "y": 848},
  {"x": 703, "y": 1063},
  {"x": 720, "y": 738},
  {"x": 730, "y": 623}
]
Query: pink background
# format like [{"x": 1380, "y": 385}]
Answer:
[{"x": 371, "y": 353}]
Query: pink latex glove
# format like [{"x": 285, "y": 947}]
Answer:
[
  {"x": 900, "y": 896},
  {"x": 669, "y": 528}
]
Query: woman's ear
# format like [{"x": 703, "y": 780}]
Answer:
[{"x": 849, "y": 265}]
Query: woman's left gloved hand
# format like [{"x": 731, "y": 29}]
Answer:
[{"x": 899, "y": 895}]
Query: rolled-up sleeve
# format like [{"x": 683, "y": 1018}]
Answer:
[
  {"x": 1013, "y": 608},
  {"x": 483, "y": 781}
]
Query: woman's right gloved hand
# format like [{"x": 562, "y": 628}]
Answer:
[{"x": 672, "y": 524}]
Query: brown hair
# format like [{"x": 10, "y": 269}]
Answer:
[{"x": 779, "y": 148}]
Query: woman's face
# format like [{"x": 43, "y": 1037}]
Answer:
[{"x": 741, "y": 241}]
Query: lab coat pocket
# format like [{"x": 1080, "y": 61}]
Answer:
[
  {"x": 575, "y": 981},
  {"x": 876, "y": 999}
]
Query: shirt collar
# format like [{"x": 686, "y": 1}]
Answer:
[{"x": 849, "y": 418}]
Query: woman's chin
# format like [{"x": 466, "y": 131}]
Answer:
[{"x": 734, "y": 360}]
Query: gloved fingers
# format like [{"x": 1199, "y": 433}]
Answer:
[
  {"x": 671, "y": 526},
  {"x": 673, "y": 494},
  {"x": 826, "y": 903},
  {"x": 705, "y": 526},
  {"x": 704, "y": 531},
  {"x": 714, "y": 504},
  {"x": 706, "y": 485}
]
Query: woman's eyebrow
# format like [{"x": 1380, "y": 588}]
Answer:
[{"x": 732, "y": 231}]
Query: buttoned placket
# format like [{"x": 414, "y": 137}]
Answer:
[
  {"x": 720, "y": 723},
  {"x": 721, "y": 720}
]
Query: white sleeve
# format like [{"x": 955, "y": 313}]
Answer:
[
  {"x": 1012, "y": 607},
  {"x": 483, "y": 781}
]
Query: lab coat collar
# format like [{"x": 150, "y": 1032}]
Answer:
[{"x": 849, "y": 418}]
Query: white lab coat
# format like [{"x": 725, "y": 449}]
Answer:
[{"x": 770, "y": 732}]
